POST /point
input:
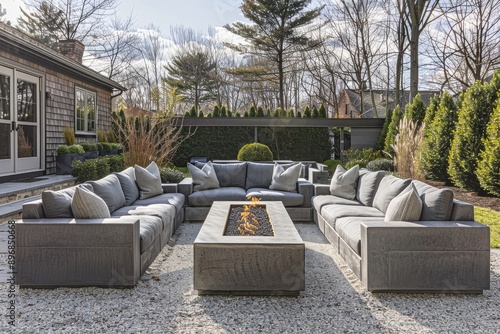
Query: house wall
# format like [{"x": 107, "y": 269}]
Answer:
[
  {"x": 346, "y": 109},
  {"x": 58, "y": 112}
]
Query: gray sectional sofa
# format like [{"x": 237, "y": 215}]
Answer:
[
  {"x": 237, "y": 181},
  {"x": 444, "y": 251},
  {"x": 54, "y": 249}
]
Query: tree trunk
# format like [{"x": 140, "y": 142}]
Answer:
[
  {"x": 414, "y": 61},
  {"x": 281, "y": 81}
]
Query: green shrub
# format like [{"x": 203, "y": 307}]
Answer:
[
  {"x": 101, "y": 167},
  {"x": 364, "y": 154},
  {"x": 115, "y": 146},
  {"x": 415, "y": 111},
  {"x": 169, "y": 175},
  {"x": 307, "y": 112},
  {"x": 62, "y": 149},
  {"x": 245, "y": 114},
  {"x": 200, "y": 114},
  {"x": 76, "y": 149},
  {"x": 379, "y": 145},
  {"x": 260, "y": 111},
  {"x": 224, "y": 112},
  {"x": 468, "y": 142},
  {"x": 488, "y": 171},
  {"x": 192, "y": 112},
  {"x": 216, "y": 111},
  {"x": 352, "y": 163},
  {"x": 115, "y": 162},
  {"x": 332, "y": 165},
  {"x": 252, "y": 112},
  {"x": 105, "y": 146},
  {"x": 381, "y": 164},
  {"x": 89, "y": 146},
  {"x": 237, "y": 114},
  {"x": 255, "y": 152},
  {"x": 431, "y": 110},
  {"x": 99, "y": 146},
  {"x": 84, "y": 170},
  {"x": 438, "y": 136},
  {"x": 322, "y": 111},
  {"x": 392, "y": 131},
  {"x": 101, "y": 136},
  {"x": 315, "y": 113}
]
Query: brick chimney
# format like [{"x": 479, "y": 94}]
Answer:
[{"x": 73, "y": 49}]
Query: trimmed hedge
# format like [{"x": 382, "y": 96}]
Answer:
[{"x": 255, "y": 152}]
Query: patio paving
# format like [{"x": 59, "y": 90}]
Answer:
[{"x": 334, "y": 302}]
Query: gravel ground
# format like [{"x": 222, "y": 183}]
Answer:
[{"x": 334, "y": 302}]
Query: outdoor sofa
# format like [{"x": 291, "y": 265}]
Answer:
[
  {"x": 54, "y": 249},
  {"x": 238, "y": 181},
  {"x": 440, "y": 250}
]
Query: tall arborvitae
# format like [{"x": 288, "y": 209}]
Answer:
[
  {"x": 315, "y": 112},
  {"x": 268, "y": 112},
  {"x": 299, "y": 114},
  {"x": 473, "y": 117},
  {"x": 216, "y": 111},
  {"x": 290, "y": 113},
  {"x": 223, "y": 111},
  {"x": 245, "y": 114},
  {"x": 379, "y": 145},
  {"x": 200, "y": 114},
  {"x": 437, "y": 140},
  {"x": 252, "y": 112},
  {"x": 277, "y": 112},
  {"x": 229, "y": 113},
  {"x": 237, "y": 114},
  {"x": 431, "y": 110},
  {"x": 322, "y": 111},
  {"x": 415, "y": 111},
  {"x": 392, "y": 132},
  {"x": 488, "y": 171},
  {"x": 307, "y": 112},
  {"x": 260, "y": 111},
  {"x": 192, "y": 112}
]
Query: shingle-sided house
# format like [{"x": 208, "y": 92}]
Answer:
[{"x": 42, "y": 92}]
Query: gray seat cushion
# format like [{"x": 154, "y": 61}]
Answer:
[
  {"x": 320, "y": 201},
  {"x": 174, "y": 199},
  {"x": 349, "y": 229},
  {"x": 259, "y": 175},
  {"x": 207, "y": 197},
  {"x": 128, "y": 184},
  {"x": 110, "y": 190},
  {"x": 149, "y": 229},
  {"x": 333, "y": 212},
  {"x": 437, "y": 204},
  {"x": 229, "y": 175},
  {"x": 389, "y": 187},
  {"x": 166, "y": 212},
  {"x": 288, "y": 198},
  {"x": 367, "y": 186}
]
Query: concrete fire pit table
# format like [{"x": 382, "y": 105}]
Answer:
[{"x": 249, "y": 265}]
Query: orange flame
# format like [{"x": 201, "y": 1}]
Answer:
[{"x": 248, "y": 221}]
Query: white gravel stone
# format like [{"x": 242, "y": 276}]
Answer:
[{"x": 334, "y": 302}]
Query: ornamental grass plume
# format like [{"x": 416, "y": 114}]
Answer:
[{"x": 407, "y": 149}]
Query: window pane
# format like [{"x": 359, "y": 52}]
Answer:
[
  {"x": 26, "y": 141},
  {"x": 5, "y": 140},
  {"x": 26, "y": 101},
  {"x": 80, "y": 110},
  {"x": 4, "y": 97},
  {"x": 90, "y": 112}
]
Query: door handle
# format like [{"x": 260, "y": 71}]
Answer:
[{"x": 14, "y": 126}]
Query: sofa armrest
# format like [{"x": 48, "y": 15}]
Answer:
[
  {"x": 77, "y": 252},
  {"x": 169, "y": 188},
  {"x": 33, "y": 210},
  {"x": 186, "y": 187},
  {"x": 423, "y": 256},
  {"x": 318, "y": 176},
  {"x": 306, "y": 189},
  {"x": 321, "y": 189},
  {"x": 462, "y": 211}
]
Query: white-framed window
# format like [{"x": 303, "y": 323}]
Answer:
[{"x": 85, "y": 110}]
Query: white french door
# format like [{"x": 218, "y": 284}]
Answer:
[{"x": 19, "y": 122}]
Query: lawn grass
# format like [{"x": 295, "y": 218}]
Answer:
[{"x": 492, "y": 219}]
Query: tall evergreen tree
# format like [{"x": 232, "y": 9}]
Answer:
[
  {"x": 379, "y": 145},
  {"x": 392, "y": 131},
  {"x": 488, "y": 171},
  {"x": 315, "y": 112},
  {"x": 260, "y": 111},
  {"x": 307, "y": 112},
  {"x": 192, "y": 72},
  {"x": 437, "y": 140},
  {"x": 268, "y": 112},
  {"x": 216, "y": 111},
  {"x": 276, "y": 33},
  {"x": 322, "y": 111},
  {"x": 252, "y": 112},
  {"x": 223, "y": 111},
  {"x": 415, "y": 111},
  {"x": 290, "y": 113},
  {"x": 431, "y": 110},
  {"x": 192, "y": 112}
]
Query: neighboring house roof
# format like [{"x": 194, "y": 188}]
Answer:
[
  {"x": 384, "y": 100},
  {"x": 21, "y": 41}
]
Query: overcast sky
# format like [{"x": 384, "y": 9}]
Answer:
[{"x": 197, "y": 14}]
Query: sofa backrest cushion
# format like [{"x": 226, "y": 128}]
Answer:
[
  {"x": 407, "y": 206},
  {"x": 204, "y": 178},
  {"x": 344, "y": 182},
  {"x": 367, "y": 186},
  {"x": 88, "y": 205},
  {"x": 389, "y": 187},
  {"x": 229, "y": 175},
  {"x": 259, "y": 175},
  {"x": 128, "y": 184},
  {"x": 285, "y": 179},
  {"x": 437, "y": 203},
  {"x": 57, "y": 204},
  {"x": 148, "y": 180},
  {"x": 110, "y": 190}
]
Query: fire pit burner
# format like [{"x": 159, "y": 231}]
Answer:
[{"x": 252, "y": 220}]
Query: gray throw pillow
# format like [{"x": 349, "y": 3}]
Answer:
[
  {"x": 389, "y": 187},
  {"x": 86, "y": 204},
  {"x": 367, "y": 186},
  {"x": 149, "y": 181},
  {"x": 110, "y": 190},
  {"x": 128, "y": 184},
  {"x": 229, "y": 175},
  {"x": 57, "y": 204},
  {"x": 344, "y": 183},
  {"x": 285, "y": 180},
  {"x": 204, "y": 178},
  {"x": 407, "y": 206}
]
